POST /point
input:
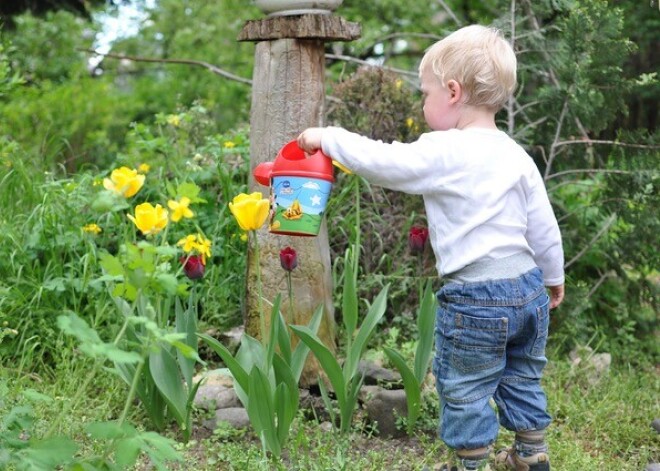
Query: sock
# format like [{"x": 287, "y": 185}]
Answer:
[
  {"x": 473, "y": 459},
  {"x": 530, "y": 443}
]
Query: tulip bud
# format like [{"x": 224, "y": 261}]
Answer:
[
  {"x": 193, "y": 266},
  {"x": 417, "y": 238},
  {"x": 288, "y": 258}
]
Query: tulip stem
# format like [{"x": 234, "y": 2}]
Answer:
[
  {"x": 288, "y": 280},
  {"x": 262, "y": 320}
]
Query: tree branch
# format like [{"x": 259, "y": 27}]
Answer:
[
  {"x": 450, "y": 12},
  {"x": 363, "y": 62},
  {"x": 611, "y": 143},
  {"x": 588, "y": 170},
  {"x": 553, "y": 153},
  {"x": 593, "y": 240},
  {"x": 600, "y": 281},
  {"x": 216, "y": 70}
]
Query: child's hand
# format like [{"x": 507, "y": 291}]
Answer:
[
  {"x": 310, "y": 139},
  {"x": 556, "y": 295}
]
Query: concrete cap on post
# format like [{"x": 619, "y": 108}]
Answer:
[{"x": 297, "y": 7}]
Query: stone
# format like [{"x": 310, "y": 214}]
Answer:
[
  {"x": 232, "y": 338},
  {"x": 236, "y": 417},
  {"x": 220, "y": 377},
  {"x": 383, "y": 407},
  {"x": 656, "y": 425},
  {"x": 376, "y": 374},
  {"x": 652, "y": 467},
  {"x": 594, "y": 366},
  {"x": 215, "y": 396}
]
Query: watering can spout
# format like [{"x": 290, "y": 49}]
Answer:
[{"x": 262, "y": 173}]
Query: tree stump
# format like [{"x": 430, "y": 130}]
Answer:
[{"x": 288, "y": 95}]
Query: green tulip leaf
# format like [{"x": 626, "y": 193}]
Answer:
[
  {"x": 425, "y": 327},
  {"x": 302, "y": 350},
  {"x": 349, "y": 296},
  {"x": 410, "y": 385},
  {"x": 261, "y": 410},
  {"x": 373, "y": 317},
  {"x": 238, "y": 372},
  {"x": 167, "y": 377},
  {"x": 326, "y": 358}
]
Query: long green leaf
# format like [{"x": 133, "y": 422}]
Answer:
[
  {"x": 425, "y": 327},
  {"x": 329, "y": 406},
  {"x": 284, "y": 411},
  {"x": 410, "y": 385},
  {"x": 240, "y": 375},
  {"x": 348, "y": 409},
  {"x": 186, "y": 323},
  {"x": 326, "y": 359},
  {"x": 166, "y": 375},
  {"x": 287, "y": 405},
  {"x": 261, "y": 410},
  {"x": 272, "y": 336},
  {"x": 349, "y": 295},
  {"x": 370, "y": 322},
  {"x": 302, "y": 350},
  {"x": 283, "y": 338}
]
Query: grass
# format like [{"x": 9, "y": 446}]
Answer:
[{"x": 603, "y": 426}]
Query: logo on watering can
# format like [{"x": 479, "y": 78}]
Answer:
[{"x": 299, "y": 190}]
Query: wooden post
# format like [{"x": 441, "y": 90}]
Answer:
[{"x": 288, "y": 95}]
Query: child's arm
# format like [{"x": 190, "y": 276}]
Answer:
[{"x": 544, "y": 237}]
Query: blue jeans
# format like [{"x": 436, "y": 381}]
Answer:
[{"x": 490, "y": 342}]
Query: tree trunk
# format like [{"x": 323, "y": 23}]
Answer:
[{"x": 288, "y": 95}]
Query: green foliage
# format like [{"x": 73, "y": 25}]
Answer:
[
  {"x": 22, "y": 448},
  {"x": 414, "y": 378},
  {"x": 345, "y": 379},
  {"x": 267, "y": 381}
]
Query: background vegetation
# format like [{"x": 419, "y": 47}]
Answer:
[{"x": 586, "y": 111}]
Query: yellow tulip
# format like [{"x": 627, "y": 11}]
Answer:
[
  {"x": 124, "y": 181},
  {"x": 250, "y": 210},
  {"x": 149, "y": 219},
  {"x": 180, "y": 209}
]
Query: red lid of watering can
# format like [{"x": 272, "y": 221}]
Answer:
[{"x": 292, "y": 161}]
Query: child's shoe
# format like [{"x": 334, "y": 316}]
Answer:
[{"x": 509, "y": 459}]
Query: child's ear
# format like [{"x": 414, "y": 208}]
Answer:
[{"x": 455, "y": 91}]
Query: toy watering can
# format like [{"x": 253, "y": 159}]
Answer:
[{"x": 299, "y": 190}]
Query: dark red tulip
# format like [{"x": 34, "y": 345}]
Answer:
[
  {"x": 288, "y": 258},
  {"x": 193, "y": 266},
  {"x": 417, "y": 238}
]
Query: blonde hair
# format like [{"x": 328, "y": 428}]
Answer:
[{"x": 480, "y": 59}]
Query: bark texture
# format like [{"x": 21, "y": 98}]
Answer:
[{"x": 288, "y": 96}]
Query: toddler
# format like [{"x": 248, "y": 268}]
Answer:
[{"x": 496, "y": 242}]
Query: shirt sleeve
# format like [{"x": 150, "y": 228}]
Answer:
[
  {"x": 405, "y": 167},
  {"x": 543, "y": 235}
]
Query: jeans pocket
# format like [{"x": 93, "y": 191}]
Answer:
[
  {"x": 542, "y": 324},
  {"x": 478, "y": 343}
]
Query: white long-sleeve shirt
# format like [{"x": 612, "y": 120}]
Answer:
[{"x": 484, "y": 196}]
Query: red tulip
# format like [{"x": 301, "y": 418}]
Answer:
[
  {"x": 417, "y": 238},
  {"x": 193, "y": 266},
  {"x": 288, "y": 258}
]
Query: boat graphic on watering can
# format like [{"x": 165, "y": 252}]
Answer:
[{"x": 299, "y": 190}]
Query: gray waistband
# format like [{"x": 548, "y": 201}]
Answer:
[{"x": 493, "y": 269}]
